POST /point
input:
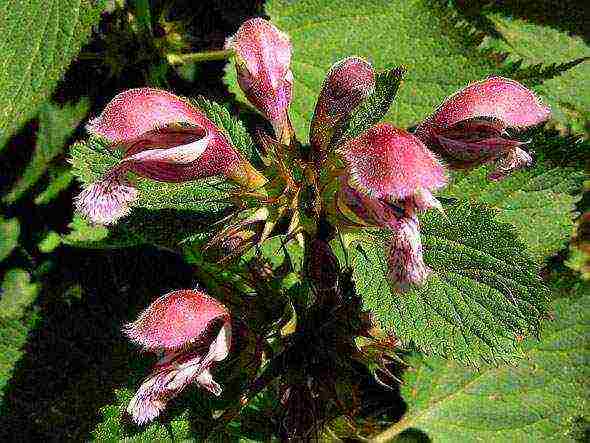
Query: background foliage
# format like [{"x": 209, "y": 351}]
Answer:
[{"x": 65, "y": 369}]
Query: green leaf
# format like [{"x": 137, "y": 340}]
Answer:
[
  {"x": 484, "y": 291},
  {"x": 544, "y": 398},
  {"x": 388, "y": 33},
  {"x": 17, "y": 293},
  {"x": 534, "y": 43},
  {"x": 92, "y": 159},
  {"x": 55, "y": 127},
  {"x": 374, "y": 108},
  {"x": 231, "y": 126},
  {"x": 537, "y": 201},
  {"x": 9, "y": 232},
  {"x": 39, "y": 40},
  {"x": 59, "y": 181}
]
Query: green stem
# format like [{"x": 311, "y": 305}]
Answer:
[{"x": 181, "y": 59}]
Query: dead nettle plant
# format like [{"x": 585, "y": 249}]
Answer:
[{"x": 321, "y": 255}]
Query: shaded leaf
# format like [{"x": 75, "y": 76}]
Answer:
[
  {"x": 59, "y": 181},
  {"x": 484, "y": 291},
  {"x": 9, "y": 232},
  {"x": 544, "y": 398},
  {"x": 39, "y": 40},
  {"x": 17, "y": 293},
  {"x": 55, "y": 127}
]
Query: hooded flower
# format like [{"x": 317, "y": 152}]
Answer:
[
  {"x": 347, "y": 84},
  {"x": 164, "y": 138},
  {"x": 472, "y": 126},
  {"x": 192, "y": 331},
  {"x": 391, "y": 177},
  {"x": 263, "y": 57}
]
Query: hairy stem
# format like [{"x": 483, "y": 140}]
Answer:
[{"x": 176, "y": 59}]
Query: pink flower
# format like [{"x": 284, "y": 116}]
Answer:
[
  {"x": 263, "y": 57},
  {"x": 192, "y": 331},
  {"x": 386, "y": 162},
  {"x": 470, "y": 127},
  {"x": 165, "y": 138},
  {"x": 347, "y": 84}
]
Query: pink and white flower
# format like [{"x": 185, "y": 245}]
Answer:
[
  {"x": 472, "y": 126},
  {"x": 191, "y": 331},
  {"x": 391, "y": 176},
  {"x": 164, "y": 138}
]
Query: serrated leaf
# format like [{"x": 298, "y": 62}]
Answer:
[
  {"x": 56, "y": 124},
  {"x": 374, "y": 108},
  {"x": 39, "y": 40},
  {"x": 9, "y": 232},
  {"x": 537, "y": 201},
  {"x": 17, "y": 293},
  {"x": 484, "y": 291},
  {"x": 387, "y": 33},
  {"x": 92, "y": 159},
  {"x": 544, "y": 398},
  {"x": 231, "y": 126}
]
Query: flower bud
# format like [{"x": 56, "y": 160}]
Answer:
[
  {"x": 385, "y": 162},
  {"x": 263, "y": 57},
  {"x": 193, "y": 331},
  {"x": 470, "y": 128},
  {"x": 171, "y": 153},
  {"x": 347, "y": 84}
]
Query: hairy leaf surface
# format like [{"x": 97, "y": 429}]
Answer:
[
  {"x": 39, "y": 40},
  {"x": 9, "y": 232},
  {"x": 483, "y": 294},
  {"x": 545, "y": 397}
]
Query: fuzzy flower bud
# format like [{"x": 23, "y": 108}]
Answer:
[
  {"x": 192, "y": 331},
  {"x": 263, "y": 57},
  {"x": 470, "y": 127},
  {"x": 347, "y": 84},
  {"x": 386, "y": 162},
  {"x": 164, "y": 138}
]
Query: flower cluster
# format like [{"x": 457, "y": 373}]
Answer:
[{"x": 383, "y": 177}]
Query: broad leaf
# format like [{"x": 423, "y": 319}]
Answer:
[
  {"x": 388, "y": 33},
  {"x": 9, "y": 232},
  {"x": 55, "y": 126},
  {"x": 484, "y": 292},
  {"x": 39, "y": 40},
  {"x": 544, "y": 398},
  {"x": 538, "y": 202}
]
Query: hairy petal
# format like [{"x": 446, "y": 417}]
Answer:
[
  {"x": 263, "y": 58},
  {"x": 137, "y": 111},
  {"x": 404, "y": 256},
  {"x": 388, "y": 162},
  {"x": 347, "y": 84},
  {"x": 175, "y": 320}
]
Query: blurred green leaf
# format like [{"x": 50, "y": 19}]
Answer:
[
  {"x": 9, "y": 232},
  {"x": 544, "y": 398},
  {"x": 55, "y": 127},
  {"x": 39, "y": 40},
  {"x": 59, "y": 180},
  {"x": 484, "y": 291},
  {"x": 17, "y": 293}
]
